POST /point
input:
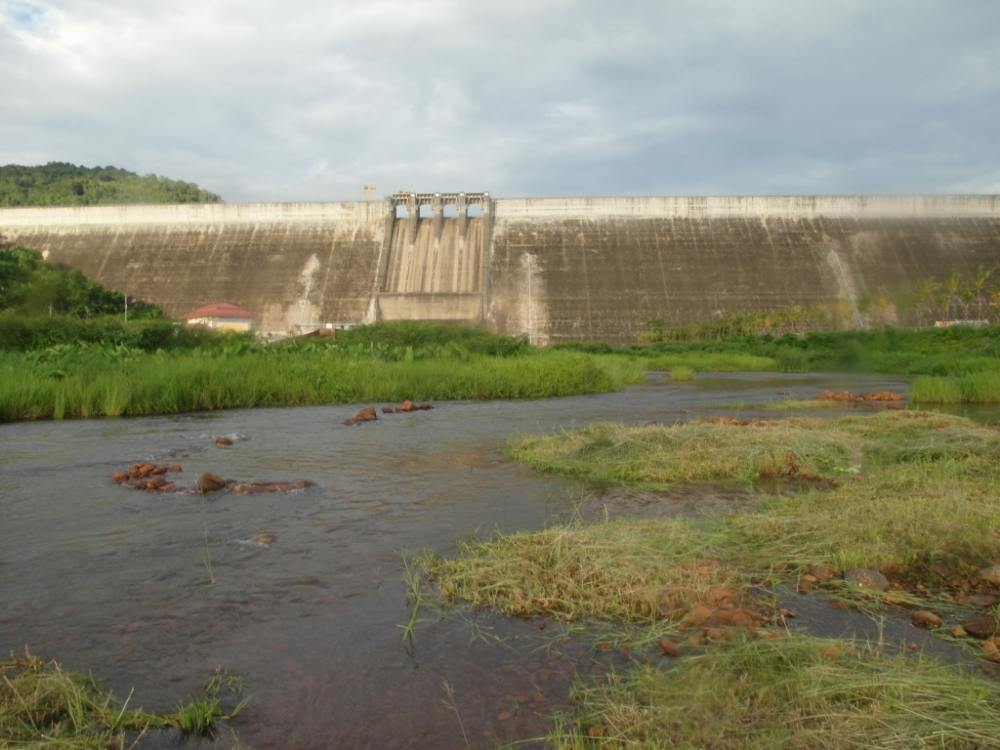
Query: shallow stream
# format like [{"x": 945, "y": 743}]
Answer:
[{"x": 116, "y": 581}]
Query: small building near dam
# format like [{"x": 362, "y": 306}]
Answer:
[{"x": 221, "y": 316}]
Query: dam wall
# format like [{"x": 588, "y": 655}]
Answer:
[
  {"x": 292, "y": 264},
  {"x": 552, "y": 268},
  {"x": 601, "y": 269}
]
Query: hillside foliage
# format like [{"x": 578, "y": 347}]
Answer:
[
  {"x": 63, "y": 184},
  {"x": 29, "y": 286}
]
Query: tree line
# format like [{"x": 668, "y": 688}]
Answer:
[
  {"x": 64, "y": 184},
  {"x": 30, "y": 287}
]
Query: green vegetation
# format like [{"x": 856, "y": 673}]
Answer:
[
  {"x": 907, "y": 493},
  {"x": 973, "y": 388},
  {"x": 681, "y": 374},
  {"x": 711, "y": 362},
  {"x": 65, "y": 333},
  {"x": 101, "y": 380},
  {"x": 788, "y": 694},
  {"x": 30, "y": 288},
  {"x": 44, "y": 707},
  {"x": 62, "y": 184},
  {"x": 958, "y": 296},
  {"x": 930, "y": 351}
]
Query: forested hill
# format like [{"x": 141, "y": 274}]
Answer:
[{"x": 62, "y": 184}]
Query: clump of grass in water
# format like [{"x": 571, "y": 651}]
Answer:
[
  {"x": 792, "y": 693},
  {"x": 923, "y": 506},
  {"x": 43, "y": 706},
  {"x": 615, "y": 570},
  {"x": 681, "y": 374},
  {"x": 973, "y": 388}
]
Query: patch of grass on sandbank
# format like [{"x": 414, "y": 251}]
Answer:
[
  {"x": 914, "y": 496},
  {"x": 44, "y": 707},
  {"x": 791, "y": 693},
  {"x": 617, "y": 570},
  {"x": 807, "y": 448},
  {"x": 973, "y": 388}
]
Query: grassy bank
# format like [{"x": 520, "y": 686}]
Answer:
[
  {"x": 928, "y": 351},
  {"x": 45, "y": 707},
  {"x": 912, "y": 495},
  {"x": 101, "y": 381},
  {"x": 792, "y": 693}
]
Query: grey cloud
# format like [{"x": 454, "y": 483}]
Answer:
[{"x": 311, "y": 99}]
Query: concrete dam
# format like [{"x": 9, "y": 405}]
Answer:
[{"x": 551, "y": 268}]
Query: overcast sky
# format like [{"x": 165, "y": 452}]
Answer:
[{"x": 311, "y": 99}]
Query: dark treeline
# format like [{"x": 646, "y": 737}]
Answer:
[
  {"x": 63, "y": 184},
  {"x": 30, "y": 287}
]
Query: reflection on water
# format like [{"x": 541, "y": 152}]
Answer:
[{"x": 116, "y": 581}]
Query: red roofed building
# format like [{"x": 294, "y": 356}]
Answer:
[{"x": 221, "y": 316}]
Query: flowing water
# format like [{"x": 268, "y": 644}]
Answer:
[{"x": 118, "y": 582}]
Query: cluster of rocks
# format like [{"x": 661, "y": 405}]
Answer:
[
  {"x": 982, "y": 626},
  {"x": 152, "y": 478},
  {"x": 720, "y": 617},
  {"x": 884, "y": 398},
  {"x": 147, "y": 477},
  {"x": 209, "y": 483},
  {"x": 368, "y": 413}
]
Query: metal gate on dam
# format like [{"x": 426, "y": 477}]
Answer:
[{"x": 551, "y": 268}]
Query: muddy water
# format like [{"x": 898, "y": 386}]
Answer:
[{"x": 116, "y": 581}]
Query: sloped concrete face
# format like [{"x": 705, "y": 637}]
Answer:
[
  {"x": 290, "y": 264},
  {"x": 602, "y": 269},
  {"x": 555, "y": 269}
]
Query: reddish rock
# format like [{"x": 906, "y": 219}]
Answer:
[
  {"x": 669, "y": 648},
  {"x": 119, "y": 476},
  {"x": 980, "y": 626},
  {"x": 223, "y": 442},
  {"x": 423, "y": 407},
  {"x": 406, "y": 406},
  {"x": 991, "y": 575},
  {"x": 211, "y": 482},
  {"x": 366, "y": 414},
  {"x": 697, "y": 616},
  {"x": 925, "y": 619},
  {"x": 983, "y": 600}
]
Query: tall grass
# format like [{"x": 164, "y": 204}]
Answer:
[
  {"x": 172, "y": 382},
  {"x": 973, "y": 388},
  {"x": 947, "y": 351},
  {"x": 793, "y": 693}
]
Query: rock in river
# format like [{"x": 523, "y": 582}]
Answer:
[
  {"x": 211, "y": 482},
  {"x": 866, "y": 578},
  {"x": 991, "y": 574},
  {"x": 925, "y": 619},
  {"x": 980, "y": 626}
]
